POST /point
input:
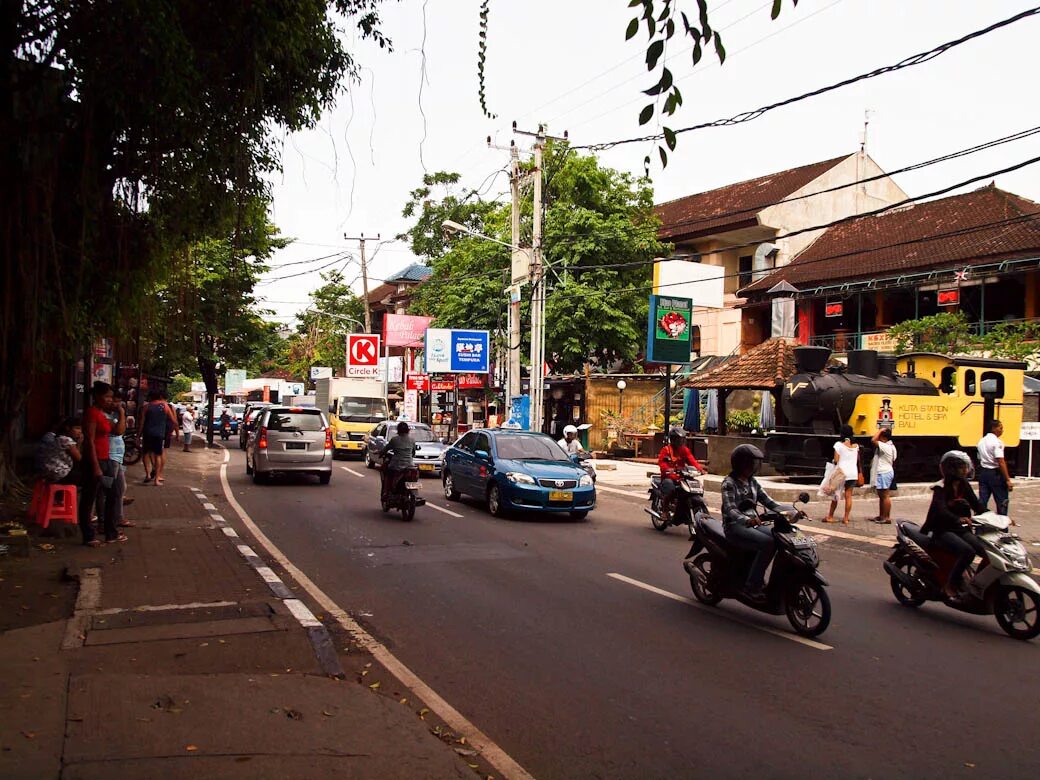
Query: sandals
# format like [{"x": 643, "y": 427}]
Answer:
[
  {"x": 126, "y": 524},
  {"x": 120, "y": 538},
  {"x": 93, "y": 543},
  {"x": 828, "y": 520}
]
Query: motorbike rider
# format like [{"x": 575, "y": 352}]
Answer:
[
  {"x": 402, "y": 447},
  {"x": 742, "y": 526},
  {"x": 569, "y": 442},
  {"x": 673, "y": 458},
  {"x": 225, "y": 420},
  {"x": 949, "y": 516}
]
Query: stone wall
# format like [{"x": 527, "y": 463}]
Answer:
[{"x": 721, "y": 447}]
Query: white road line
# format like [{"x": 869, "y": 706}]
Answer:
[
  {"x": 455, "y": 720},
  {"x": 247, "y": 551},
  {"x": 442, "y": 509},
  {"x": 301, "y": 613},
  {"x": 351, "y": 471},
  {"x": 634, "y": 494},
  {"x": 209, "y": 507},
  {"x": 267, "y": 574},
  {"x": 676, "y": 597},
  {"x": 228, "y": 531}
]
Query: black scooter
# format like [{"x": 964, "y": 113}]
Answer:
[
  {"x": 689, "y": 502},
  {"x": 719, "y": 570},
  {"x": 404, "y": 494}
]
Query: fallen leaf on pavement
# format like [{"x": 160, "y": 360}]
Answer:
[
  {"x": 292, "y": 714},
  {"x": 326, "y": 713},
  {"x": 969, "y": 765},
  {"x": 46, "y": 547},
  {"x": 191, "y": 748},
  {"x": 465, "y": 752},
  {"x": 374, "y": 685},
  {"x": 29, "y": 734},
  {"x": 403, "y": 701},
  {"x": 422, "y": 713}
]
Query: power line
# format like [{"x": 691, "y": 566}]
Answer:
[
  {"x": 339, "y": 256},
  {"x": 747, "y": 116},
  {"x": 305, "y": 262}
]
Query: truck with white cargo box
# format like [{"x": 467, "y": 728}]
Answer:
[{"x": 355, "y": 406}]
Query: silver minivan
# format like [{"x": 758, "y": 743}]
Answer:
[{"x": 290, "y": 440}]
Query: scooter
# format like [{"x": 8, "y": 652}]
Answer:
[
  {"x": 718, "y": 570},
  {"x": 225, "y": 431},
  {"x": 1001, "y": 585},
  {"x": 131, "y": 452},
  {"x": 689, "y": 502},
  {"x": 404, "y": 494}
]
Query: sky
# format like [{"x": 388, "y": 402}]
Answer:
[{"x": 567, "y": 65}]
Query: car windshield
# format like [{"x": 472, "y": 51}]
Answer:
[
  {"x": 362, "y": 409},
  {"x": 237, "y": 408},
  {"x": 517, "y": 447},
  {"x": 422, "y": 434},
  {"x": 294, "y": 421}
]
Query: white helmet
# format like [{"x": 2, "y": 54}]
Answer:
[
  {"x": 570, "y": 429},
  {"x": 953, "y": 460}
]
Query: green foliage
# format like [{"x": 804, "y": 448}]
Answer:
[
  {"x": 742, "y": 420},
  {"x": 1013, "y": 340},
  {"x": 321, "y": 331},
  {"x": 946, "y": 332}
]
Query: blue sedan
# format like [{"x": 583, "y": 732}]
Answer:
[{"x": 513, "y": 469}]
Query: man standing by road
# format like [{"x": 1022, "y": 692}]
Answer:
[
  {"x": 187, "y": 427},
  {"x": 994, "y": 478}
]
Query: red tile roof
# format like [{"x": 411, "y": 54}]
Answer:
[
  {"x": 945, "y": 233},
  {"x": 762, "y": 368},
  {"x": 735, "y": 204}
]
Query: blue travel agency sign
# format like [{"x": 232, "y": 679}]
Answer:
[{"x": 456, "y": 351}]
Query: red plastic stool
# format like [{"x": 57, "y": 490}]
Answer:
[{"x": 58, "y": 503}]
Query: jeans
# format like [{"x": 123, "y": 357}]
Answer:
[
  {"x": 88, "y": 496},
  {"x": 991, "y": 483},
  {"x": 965, "y": 546},
  {"x": 118, "y": 491},
  {"x": 758, "y": 540}
]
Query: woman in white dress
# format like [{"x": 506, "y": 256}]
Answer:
[{"x": 846, "y": 460}]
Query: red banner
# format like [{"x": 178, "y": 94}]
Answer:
[
  {"x": 420, "y": 382},
  {"x": 405, "y": 330},
  {"x": 471, "y": 381},
  {"x": 834, "y": 309},
  {"x": 949, "y": 297}
]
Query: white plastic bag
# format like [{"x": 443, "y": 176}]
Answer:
[{"x": 826, "y": 490}]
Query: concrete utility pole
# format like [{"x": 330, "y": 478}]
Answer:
[
  {"x": 513, "y": 356},
  {"x": 364, "y": 277}
]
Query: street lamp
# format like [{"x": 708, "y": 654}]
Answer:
[{"x": 621, "y": 385}]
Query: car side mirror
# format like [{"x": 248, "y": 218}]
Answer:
[
  {"x": 803, "y": 498},
  {"x": 482, "y": 454}
]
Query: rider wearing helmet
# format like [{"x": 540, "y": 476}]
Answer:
[
  {"x": 569, "y": 442},
  {"x": 743, "y": 527},
  {"x": 673, "y": 458},
  {"x": 401, "y": 451},
  {"x": 949, "y": 516}
]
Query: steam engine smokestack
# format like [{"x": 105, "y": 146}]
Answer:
[{"x": 810, "y": 360}]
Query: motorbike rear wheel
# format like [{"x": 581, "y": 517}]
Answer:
[
  {"x": 408, "y": 509},
  {"x": 904, "y": 595},
  {"x": 808, "y": 609},
  {"x": 699, "y": 570},
  {"x": 1017, "y": 611},
  {"x": 131, "y": 453},
  {"x": 655, "y": 506}
]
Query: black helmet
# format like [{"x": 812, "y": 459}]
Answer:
[
  {"x": 952, "y": 461},
  {"x": 741, "y": 455},
  {"x": 676, "y": 434}
]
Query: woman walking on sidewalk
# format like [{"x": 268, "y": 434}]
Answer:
[
  {"x": 846, "y": 460},
  {"x": 156, "y": 418},
  {"x": 99, "y": 470}
]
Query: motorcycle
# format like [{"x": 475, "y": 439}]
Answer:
[
  {"x": 131, "y": 451},
  {"x": 225, "y": 431},
  {"x": 718, "y": 570},
  {"x": 689, "y": 502},
  {"x": 404, "y": 494},
  {"x": 919, "y": 569}
]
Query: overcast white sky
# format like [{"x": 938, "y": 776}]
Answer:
[{"x": 567, "y": 64}]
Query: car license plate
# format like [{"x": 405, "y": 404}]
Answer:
[
  {"x": 426, "y": 467},
  {"x": 412, "y": 485},
  {"x": 559, "y": 495},
  {"x": 295, "y": 445}
]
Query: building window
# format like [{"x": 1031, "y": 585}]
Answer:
[
  {"x": 695, "y": 340},
  {"x": 745, "y": 271},
  {"x": 949, "y": 380}
]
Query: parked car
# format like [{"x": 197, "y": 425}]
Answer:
[
  {"x": 513, "y": 469},
  {"x": 252, "y": 412},
  {"x": 429, "y": 450},
  {"x": 290, "y": 440}
]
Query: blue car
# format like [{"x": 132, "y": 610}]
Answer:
[{"x": 513, "y": 469}]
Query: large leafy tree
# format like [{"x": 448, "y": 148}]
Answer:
[
  {"x": 600, "y": 237},
  {"x": 131, "y": 131},
  {"x": 321, "y": 330}
]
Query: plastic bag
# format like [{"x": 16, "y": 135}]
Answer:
[{"x": 826, "y": 490}]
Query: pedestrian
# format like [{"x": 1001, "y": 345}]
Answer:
[
  {"x": 994, "y": 479},
  {"x": 99, "y": 473},
  {"x": 846, "y": 460},
  {"x": 187, "y": 427},
  {"x": 156, "y": 417},
  {"x": 173, "y": 428},
  {"x": 58, "y": 452},
  {"x": 116, "y": 452},
  {"x": 885, "y": 455}
]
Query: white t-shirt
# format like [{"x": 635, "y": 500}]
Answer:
[
  {"x": 848, "y": 460},
  {"x": 187, "y": 422},
  {"x": 886, "y": 456},
  {"x": 990, "y": 448},
  {"x": 571, "y": 447}
]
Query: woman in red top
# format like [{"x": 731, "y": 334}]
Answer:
[
  {"x": 673, "y": 458},
  {"x": 99, "y": 471}
]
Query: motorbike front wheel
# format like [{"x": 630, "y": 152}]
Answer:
[
  {"x": 656, "y": 518},
  {"x": 1017, "y": 610},
  {"x": 809, "y": 609},
  {"x": 408, "y": 510},
  {"x": 699, "y": 570}
]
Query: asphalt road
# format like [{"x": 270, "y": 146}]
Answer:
[{"x": 577, "y": 674}]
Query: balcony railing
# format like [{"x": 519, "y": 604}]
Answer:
[{"x": 842, "y": 342}]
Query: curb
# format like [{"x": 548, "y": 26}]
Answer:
[{"x": 318, "y": 635}]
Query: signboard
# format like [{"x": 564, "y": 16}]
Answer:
[
  {"x": 363, "y": 355},
  {"x": 405, "y": 330},
  {"x": 418, "y": 382},
  {"x": 396, "y": 371},
  {"x": 702, "y": 283},
  {"x": 1030, "y": 431},
  {"x": 457, "y": 351},
  {"x": 442, "y": 385},
  {"x": 521, "y": 266},
  {"x": 948, "y": 297},
  {"x": 880, "y": 342},
  {"x": 411, "y": 404},
  {"x": 198, "y": 387},
  {"x": 294, "y": 388},
  {"x": 833, "y": 309},
  {"x": 320, "y": 372},
  {"x": 669, "y": 329},
  {"x": 471, "y": 381},
  {"x": 234, "y": 379}
]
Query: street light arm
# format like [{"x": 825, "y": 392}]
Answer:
[
  {"x": 335, "y": 316},
  {"x": 458, "y": 227}
]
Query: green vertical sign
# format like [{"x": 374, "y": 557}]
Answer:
[{"x": 669, "y": 329}]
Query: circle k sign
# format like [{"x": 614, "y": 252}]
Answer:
[{"x": 362, "y": 355}]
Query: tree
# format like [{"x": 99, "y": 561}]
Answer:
[
  {"x": 113, "y": 164},
  {"x": 600, "y": 235},
  {"x": 321, "y": 331},
  {"x": 946, "y": 332}
]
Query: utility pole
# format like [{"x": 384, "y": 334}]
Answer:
[
  {"x": 364, "y": 277},
  {"x": 513, "y": 357}
]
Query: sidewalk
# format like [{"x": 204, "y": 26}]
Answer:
[{"x": 175, "y": 657}]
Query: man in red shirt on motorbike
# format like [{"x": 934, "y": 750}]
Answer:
[{"x": 673, "y": 458}]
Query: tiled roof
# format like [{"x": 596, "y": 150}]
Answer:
[
  {"x": 382, "y": 292},
  {"x": 946, "y": 233},
  {"x": 416, "y": 272},
  {"x": 734, "y": 204},
  {"x": 762, "y": 368}
]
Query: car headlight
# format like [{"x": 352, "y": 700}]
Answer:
[
  {"x": 342, "y": 436},
  {"x": 519, "y": 477},
  {"x": 585, "y": 481}
]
